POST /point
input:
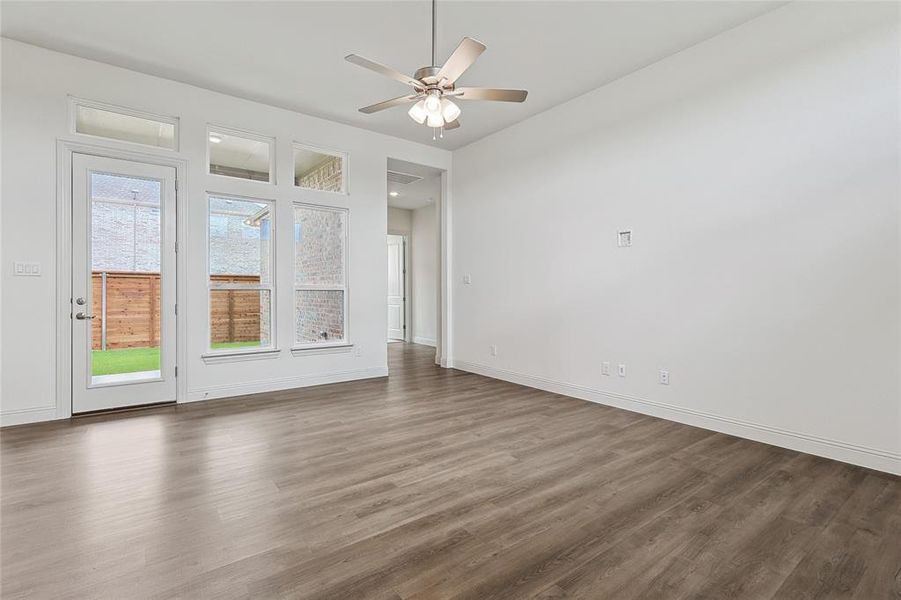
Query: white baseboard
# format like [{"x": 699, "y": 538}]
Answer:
[
  {"x": 872, "y": 458},
  {"x": 27, "y": 415},
  {"x": 425, "y": 341},
  {"x": 284, "y": 383}
]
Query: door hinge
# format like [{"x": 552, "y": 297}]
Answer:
[
  {"x": 176, "y": 185},
  {"x": 176, "y": 370},
  {"x": 176, "y": 246},
  {"x": 176, "y": 309}
]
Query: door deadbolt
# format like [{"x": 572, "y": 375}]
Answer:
[{"x": 80, "y": 301}]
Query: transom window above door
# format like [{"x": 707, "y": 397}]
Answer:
[{"x": 123, "y": 124}]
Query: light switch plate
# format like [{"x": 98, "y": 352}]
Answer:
[
  {"x": 27, "y": 269},
  {"x": 467, "y": 279}
]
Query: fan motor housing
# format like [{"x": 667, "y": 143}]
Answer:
[{"x": 429, "y": 76}]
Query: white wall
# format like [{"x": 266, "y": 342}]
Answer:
[
  {"x": 400, "y": 220},
  {"x": 760, "y": 173},
  {"x": 35, "y": 84},
  {"x": 425, "y": 275}
]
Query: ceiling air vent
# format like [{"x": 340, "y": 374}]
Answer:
[{"x": 404, "y": 178}]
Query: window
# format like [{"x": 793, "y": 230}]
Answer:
[
  {"x": 240, "y": 154},
  {"x": 123, "y": 124},
  {"x": 240, "y": 273},
  {"x": 320, "y": 275},
  {"x": 317, "y": 169}
]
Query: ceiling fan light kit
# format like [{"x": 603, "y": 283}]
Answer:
[{"x": 435, "y": 86}]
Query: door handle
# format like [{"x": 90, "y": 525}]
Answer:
[{"x": 81, "y": 316}]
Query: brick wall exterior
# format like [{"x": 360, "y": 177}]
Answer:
[
  {"x": 127, "y": 238},
  {"x": 318, "y": 247},
  {"x": 326, "y": 176},
  {"x": 319, "y": 261},
  {"x": 320, "y": 315}
]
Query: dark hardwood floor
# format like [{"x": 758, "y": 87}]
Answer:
[{"x": 431, "y": 484}]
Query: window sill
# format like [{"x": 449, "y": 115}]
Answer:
[
  {"x": 322, "y": 349},
  {"x": 212, "y": 358}
]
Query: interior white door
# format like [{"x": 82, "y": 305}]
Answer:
[
  {"x": 123, "y": 283},
  {"x": 396, "y": 273}
]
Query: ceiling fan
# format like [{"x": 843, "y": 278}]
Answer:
[{"x": 433, "y": 86}]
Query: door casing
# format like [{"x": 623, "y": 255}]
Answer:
[{"x": 61, "y": 369}]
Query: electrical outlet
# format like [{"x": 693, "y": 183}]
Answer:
[
  {"x": 467, "y": 279},
  {"x": 358, "y": 350},
  {"x": 663, "y": 377},
  {"x": 492, "y": 349},
  {"x": 605, "y": 368},
  {"x": 621, "y": 370}
]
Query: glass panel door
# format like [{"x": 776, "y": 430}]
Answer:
[{"x": 123, "y": 283}]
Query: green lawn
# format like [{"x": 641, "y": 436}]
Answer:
[{"x": 133, "y": 360}]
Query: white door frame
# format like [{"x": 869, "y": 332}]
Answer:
[{"x": 62, "y": 287}]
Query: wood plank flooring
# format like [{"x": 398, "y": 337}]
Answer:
[{"x": 431, "y": 484}]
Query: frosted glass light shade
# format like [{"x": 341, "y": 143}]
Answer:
[
  {"x": 418, "y": 113},
  {"x": 432, "y": 103},
  {"x": 449, "y": 110},
  {"x": 435, "y": 120}
]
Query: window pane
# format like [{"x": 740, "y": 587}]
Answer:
[
  {"x": 236, "y": 156},
  {"x": 239, "y": 319},
  {"x": 125, "y": 278},
  {"x": 128, "y": 128},
  {"x": 240, "y": 233},
  {"x": 319, "y": 237},
  {"x": 318, "y": 170},
  {"x": 319, "y": 316},
  {"x": 240, "y": 242}
]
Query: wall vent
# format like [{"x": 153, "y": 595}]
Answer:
[{"x": 404, "y": 178}]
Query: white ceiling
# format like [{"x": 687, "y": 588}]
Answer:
[{"x": 291, "y": 54}]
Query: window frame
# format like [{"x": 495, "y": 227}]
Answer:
[
  {"x": 248, "y": 135},
  {"x": 75, "y": 102},
  {"x": 272, "y": 348},
  {"x": 345, "y": 167},
  {"x": 346, "y": 342}
]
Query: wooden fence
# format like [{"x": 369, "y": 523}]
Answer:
[{"x": 132, "y": 311}]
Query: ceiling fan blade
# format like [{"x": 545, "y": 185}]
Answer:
[
  {"x": 389, "y": 103},
  {"x": 383, "y": 70},
  {"x": 469, "y": 93},
  {"x": 462, "y": 58},
  {"x": 453, "y": 124}
]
